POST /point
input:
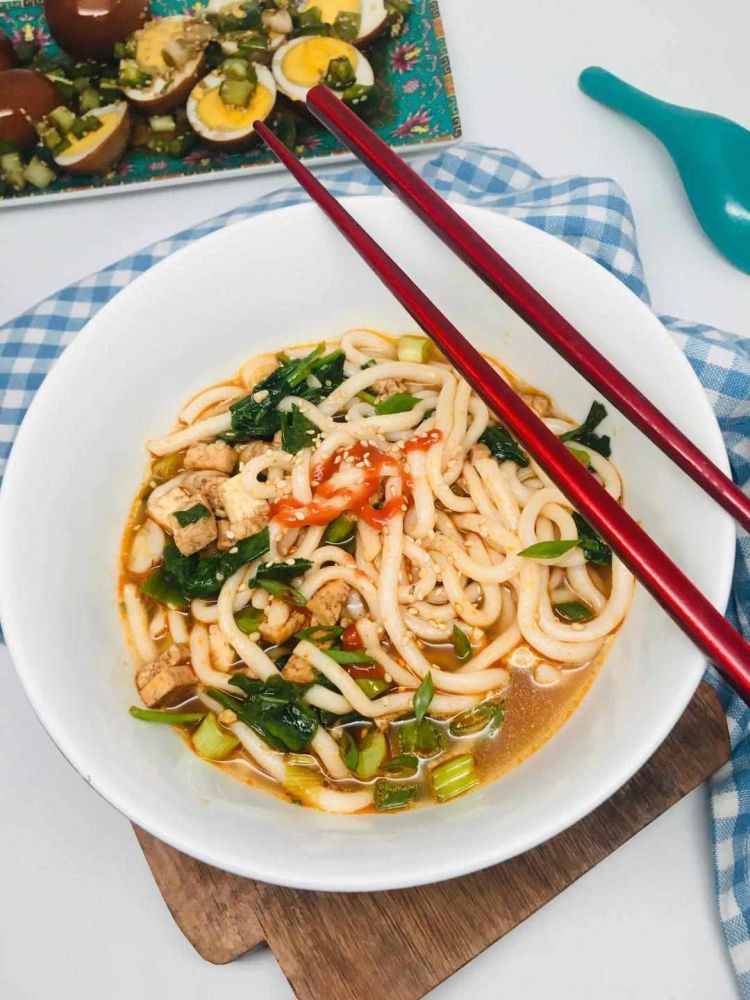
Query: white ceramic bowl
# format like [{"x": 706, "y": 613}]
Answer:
[{"x": 281, "y": 278}]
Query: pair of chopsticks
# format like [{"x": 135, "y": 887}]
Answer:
[{"x": 691, "y": 611}]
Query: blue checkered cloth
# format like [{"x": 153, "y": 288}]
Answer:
[{"x": 590, "y": 213}]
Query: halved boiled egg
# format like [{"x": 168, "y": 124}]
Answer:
[
  {"x": 167, "y": 58},
  {"x": 357, "y": 21},
  {"x": 97, "y": 141},
  {"x": 305, "y": 62},
  {"x": 223, "y": 107},
  {"x": 243, "y": 24}
]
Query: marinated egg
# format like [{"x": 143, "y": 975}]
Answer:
[
  {"x": 96, "y": 150},
  {"x": 25, "y": 98},
  {"x": 312, "y": 59},
  {"x": 167, "y": 58},
  {"x": 88, "y": 29},
  {"x": 7, "y": 53},
  {"x": 268, "y": 28},
  {"x": 358, "y": 21},
  {"x": 223, "y": 107}
]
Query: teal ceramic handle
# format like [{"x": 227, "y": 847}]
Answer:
[{"x": 655, "y": 115}]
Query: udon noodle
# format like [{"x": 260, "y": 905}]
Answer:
[{"x": 345, "y": 581}]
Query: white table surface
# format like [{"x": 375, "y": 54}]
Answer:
[{"x": 80, "y": 915}]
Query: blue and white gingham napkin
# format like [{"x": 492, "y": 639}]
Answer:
[{"x": 592, "y": 214}]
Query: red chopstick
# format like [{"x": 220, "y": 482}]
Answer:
[
  {"x": 513, "y": 289},
  {"x": 694, "y": 614}
]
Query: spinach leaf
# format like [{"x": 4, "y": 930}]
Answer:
[
  {"x": 274, "y": 710},
  {"x": 585, "y": 434},
  {"x": 203, "y": 576},
  {"x": 283, "y": 572},
  {"x": 595, "y": 550},
  {"x": 194, "y": 514},
  {"x": 256, "y": 416},
  {"x": 297, "y": 432},
  {"x": 503, "y": 447}
]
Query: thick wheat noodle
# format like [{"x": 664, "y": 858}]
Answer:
[
  {"x": 607, "y": 619},
  {"x": 137, "y": 619},
  {"x": 198, "y": 404},
  {"x": 200, "y": 657},
  {"x": 532, "y": 577},
  {"x": 267, "y": 462},
  {"x": 211, "y": 427},
  {"x": 177, "y": 626},
  {"x": 499, "y": 491},
  {"x": 354, "y": 577}
]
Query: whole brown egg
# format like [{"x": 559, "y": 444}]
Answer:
[
  {"x": 7, "y": 52},
  {"x": 25, "y": 97},
  {"x": 87, "y": 29}
]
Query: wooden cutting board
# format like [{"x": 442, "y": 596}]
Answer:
[{"x": 339, "y": 946}]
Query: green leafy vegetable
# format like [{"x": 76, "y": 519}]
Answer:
[
  {"x": 585, "y": 434},
  {"x": 162, "y": 588},
  {"x": 423, "y": 697},
  {"x": 256, "y": 416},
  {"x": 203, "y": 576},
  {"x": 166, "y": 718},
  {"x": 573, "y": 611},
  {"x": 248, "y": 620},
  {"x": 549, "y": 550},
  {"x": 274, "y": 710},
  {"x": 390, "y": 795},
  {"x": 454, "y": 777},
  {"x": 283, "y": 572},
  {"x": 191, "y": 516},
  {"x": 297, "y": 432},
  {"x": 348, "y": 750},
  {"x": 399, "y": 402},
  {"x": 595, "y": 550},
  {"x": 503, "y": 447},
  {"x": 346, "y": 657},
  {"x": 461, "y": 645}
]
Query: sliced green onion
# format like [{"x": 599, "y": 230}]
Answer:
[
  {"x": 212, "y": 741},
  {"x": 162, "y": 123},
  {"x": 303, "y": 776},
  {"x": 399, "y": 402},
  {"x": 167, "y": 466},
  {"x": 283, "y": 591},
  {"x": 389, "y": 795},
  {"x": 340, "y": 530},
  {"x": 248, "y": 619},
  {"x": 191, "y": 516},
  {"x": 454, "y": 777},
  {"x": 425, "y": 738},
  {"x": 404, "y": 764},
  {"x": 348, "y": 750},
  {"x": 549, "y": 550},
  {"x": 415, "y": 349},
  {"x": 320, "y": 633},
  {"x": 461, "y": 645},
  {"x": 372, "y": 686},
  {"x": 580, "y": 456},
  {"x": 167, "y": 718},
  {"x": 236, "y": 93},
  {"x": 372, "y": 753},
  {"x": 474, "y": 720},
  {"x": 573, "y": 611},
  {"x": 498, "y": 718},
  {"x": 422, "y": 697},
  {"x": 349, "y": 657},
  {"x": 162, "y": 588},
  {"x": 367, "y": 397},
  {"x": 63, "y": 118}
]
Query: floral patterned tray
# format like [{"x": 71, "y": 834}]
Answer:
[{"x": 416, "y": 107}]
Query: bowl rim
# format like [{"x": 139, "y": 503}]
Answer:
[{"x": 257, "y": 869}]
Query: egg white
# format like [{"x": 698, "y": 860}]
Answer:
[
  {"x": 143, "y": 96},
  {"x": 373, "y": 15},
  {"x": 363, "y": 73},
  {"x": 265, "y": 77}
]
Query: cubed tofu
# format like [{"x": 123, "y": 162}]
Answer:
[
  {"x": 247, "y": 452},
  {"x": 277, "y": 634},
  {"x": 219, "y": 456},
  {"x": 162, "y": 509},
  {"x": 298, "y": 670},
  {"x": 223, "y": 655},
  {"x": 199, "y": 532},
  {"x": 206, "y": 485},
  {"x": 247, "y": 515},
  {"x": 166, "y": 681},
  {"x": 327, "y": 603}
]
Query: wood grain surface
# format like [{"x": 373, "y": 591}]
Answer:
[{"x": 338, "y": 946}]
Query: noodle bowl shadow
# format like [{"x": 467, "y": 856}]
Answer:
[{"x": 191, "y": 321}]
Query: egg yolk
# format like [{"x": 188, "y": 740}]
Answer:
[
  {"x": 221, "y": 117},
  {"x": 330, "y": 8},
  {"x": 306, "y": 63},
  {"x": 153, "y": 38},
  {"x": 80, "y": 146}
]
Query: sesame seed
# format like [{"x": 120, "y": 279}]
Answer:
[
  {"x": 254, "y": 636},
  {"x": 234, "y": 550}
]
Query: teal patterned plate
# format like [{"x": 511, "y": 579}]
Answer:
[{"x": 416, "y": 108}]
